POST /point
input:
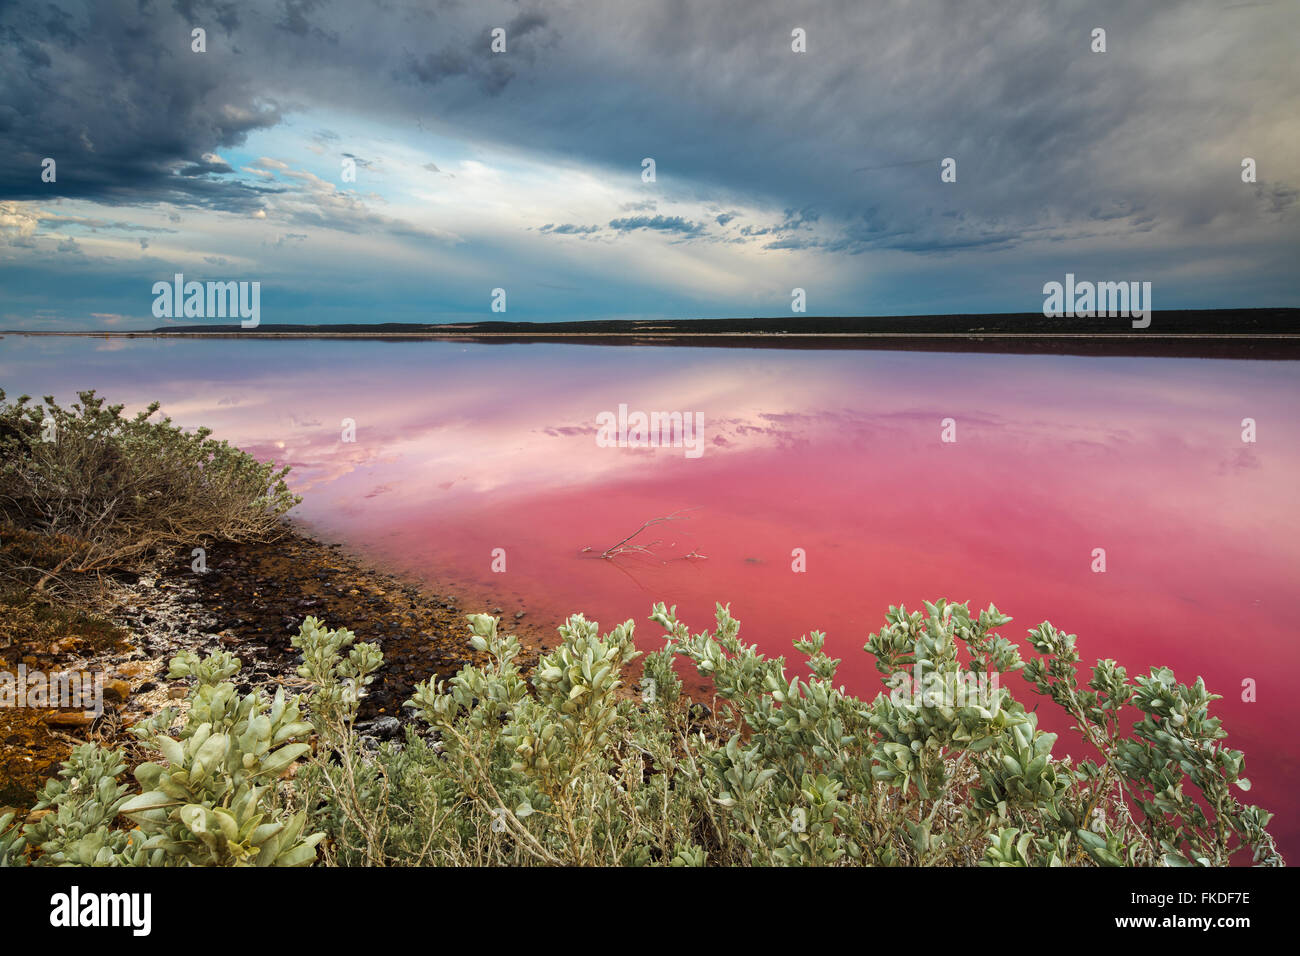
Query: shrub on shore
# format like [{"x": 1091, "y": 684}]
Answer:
[
  {"x": 102, "y": 491},
  {"x": 565, "y": 767},
  {"x": 212, "y": 798},
  {"x": 561, "y": 768}
]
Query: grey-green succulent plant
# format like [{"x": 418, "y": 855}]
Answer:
[{"x": 580, "y": 763}]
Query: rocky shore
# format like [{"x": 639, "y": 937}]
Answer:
[{"x": 249, "y": 601}]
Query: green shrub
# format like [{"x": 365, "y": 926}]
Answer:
[
  {"x": 1176, "y": 743},
  {"x": 115, "y": 489},
  {"x": 569, "y": 768},
  {"x": 211, "y": 801}
]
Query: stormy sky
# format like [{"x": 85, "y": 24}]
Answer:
[{"x": 523, "y": 170}]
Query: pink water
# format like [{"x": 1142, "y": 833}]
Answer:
[{"x": 461, "y": 450}]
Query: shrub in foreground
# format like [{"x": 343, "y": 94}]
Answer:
[
  {"x": 563, "y": 768},
  {"x": 566, "y": 767},
  {"x": 212, "y": 799}
]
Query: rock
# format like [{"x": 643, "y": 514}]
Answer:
[
  {"x": 69, "y": 718},
  {"x": 699, "y": 713},
  {"x": 178, "y": 692},
  {"x": 384, "y": 728},
  {"x": 519, "y": 614},
  {"x": 118, "y": 690}
]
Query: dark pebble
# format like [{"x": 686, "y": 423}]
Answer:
[{"x": 383, "y": 728}]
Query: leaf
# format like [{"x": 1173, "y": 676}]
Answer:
[
  {"x": 212, "y": 753},
  {"x": 304, "y": 854},
  {"x": 277, "y": 762},
  {"x": 229, "y": 828},
  {"x": 143, "y": 802},
  {"x": 172, "y": 750}
]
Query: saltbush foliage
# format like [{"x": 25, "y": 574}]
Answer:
[
  {"x": 117, "y": 488},
  {"x": 211, "y": 800},
  {"x": 568, "y": 767}
]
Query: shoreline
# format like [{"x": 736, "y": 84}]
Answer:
[
  {"x": 249, "y": 602},
  {"x": 1266, "y": 346}
]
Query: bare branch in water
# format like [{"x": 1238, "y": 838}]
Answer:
[{"x": 626, "y": 547}]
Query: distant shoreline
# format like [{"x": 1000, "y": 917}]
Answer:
[
  {"x": 1218, "y": 333},
  {"x": 1270, "y": 347}
]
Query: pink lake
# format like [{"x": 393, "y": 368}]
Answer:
[{"x": 463, "y": 449}]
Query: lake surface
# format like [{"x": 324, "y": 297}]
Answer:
[{"x": 462, "y": 449}]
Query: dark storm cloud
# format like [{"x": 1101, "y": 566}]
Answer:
[
  {"x": 113, "y": 94},
  {"x": 657, "y": 224},
  {"x": 295, "y": 19},
  {"x": 1051, "y": 140},
  {"x": 433, "y": 68},
  {"x": 568, "y": 229},
  {"x": 491, "y": 73},
  {"x": 1276, "y": 196}
]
